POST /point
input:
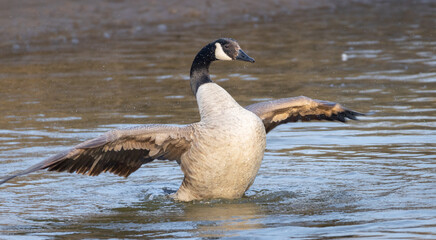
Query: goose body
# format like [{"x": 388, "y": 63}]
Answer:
[
  {"x": 219, "y": 156},
  {"x": 228, "y": 149}
]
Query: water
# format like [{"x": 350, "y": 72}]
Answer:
[{"x": 371, "y": 178}]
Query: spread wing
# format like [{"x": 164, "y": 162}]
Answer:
[
  {"x": 120, "y": 151},
  {"x": 284, "y": 110}
]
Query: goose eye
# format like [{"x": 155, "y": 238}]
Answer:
[{"x": 226, "y": 46}]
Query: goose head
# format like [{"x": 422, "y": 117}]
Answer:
[
  {"x": 228, "y": 49},
  {"x": 225, "y": 49}
]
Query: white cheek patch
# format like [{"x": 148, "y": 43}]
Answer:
[{"x": 220, "y": 54}]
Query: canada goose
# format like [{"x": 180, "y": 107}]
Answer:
[{"x": 219, "y": 156}]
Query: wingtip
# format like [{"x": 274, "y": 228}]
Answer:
[
  {"x": 36, "y": 167},
  {"x": 360, "y": 114},
  {"x": 6, "y": 179},
  {"x": 367, "y": 113},
  {"x": 353, "y": 114}
]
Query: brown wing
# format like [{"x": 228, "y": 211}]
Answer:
[
  {"x": 120, "y": 151},
  {"x": 284, "y": 110}
]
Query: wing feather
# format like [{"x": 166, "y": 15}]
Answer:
[
  {"x": 120, "y": 151},
  {"x": 284, "y": 110}
]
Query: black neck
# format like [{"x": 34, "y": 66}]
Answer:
[{"x": 200, "y": 67}]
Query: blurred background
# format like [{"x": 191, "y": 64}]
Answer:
[{"x": 71, "y": 70}]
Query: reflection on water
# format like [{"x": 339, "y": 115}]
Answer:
[
  {"x": 372, "y": 178},
  {"x": 223, "y": 219}
]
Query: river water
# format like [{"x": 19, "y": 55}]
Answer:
[{"x": 373, "y": 178}]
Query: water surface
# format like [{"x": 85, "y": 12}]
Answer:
[{"x": 371, "y": 178}]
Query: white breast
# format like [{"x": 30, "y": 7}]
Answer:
[{"x": 213, "y": 101}]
